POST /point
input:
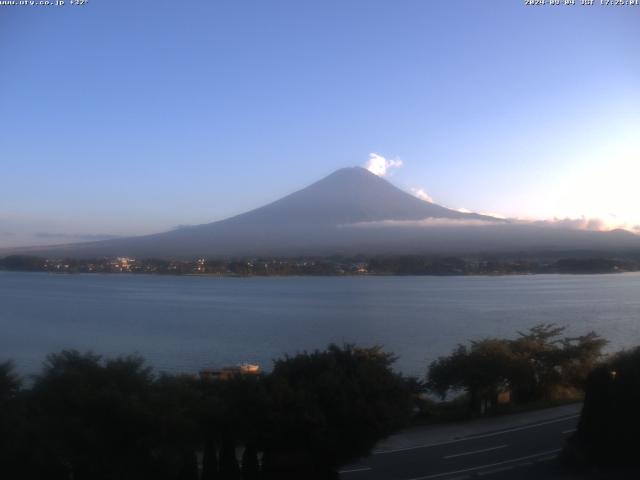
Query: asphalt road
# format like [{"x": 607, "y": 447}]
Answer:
[{"x": 522, "y": 451}]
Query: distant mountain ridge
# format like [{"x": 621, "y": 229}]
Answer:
[{"x": 350, "y": 211}]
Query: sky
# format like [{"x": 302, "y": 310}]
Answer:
[{"x": 125, "y": 118}]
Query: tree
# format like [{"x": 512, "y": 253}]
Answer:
[
  {"x": 106, "y": 419},
  {"x": 22, "y": 262},
  {"x": 189, "y": 467},
  {"x": 583, "y": 354},
  {"x": 234, "y": 412},
  {"x": 209, "y": 459},
  {"x": 92, "y": 418},
  {"x": 250, "y": 464},
  {"x": 532, "y": 366},
  {"x": 86, "y": 417},
  {"x": 330, "y": 407},
  {"x": 10, "y": 382},
  {"x": 229, "y": 468},
  {"x": 607, "y": 433},
  {"x": 175, "y": 403},
  {"x": 548, "y": 360},
  {"x": 13, "y": 441},
  {"x": 482, "y": 370}
]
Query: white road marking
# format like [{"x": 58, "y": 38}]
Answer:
[
  {"x": 496, "y": 470},
  {"x": 475, "y": 451},
  {"x": 354, "y": 470},
  {"x": 490, "y": 465},
  {"x": 546, "y": 459},
  {"x": 571, "y": 430},
  {"x": 475, "y": 437},
  {"x": 523, "y": 464}
]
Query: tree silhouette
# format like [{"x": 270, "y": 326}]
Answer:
[
  {"x": 13, "y": 435},
  {"x": 209, "y": 459},
  {"x": 112, "y": 419},
  {"x": 531, "y": 366},
  {"x": 330, "y": 407},
  {"x": 250, "y": 464},
  {"x": 482, "y": 370},
  {"x": 10, "y": 382},
  {"x": 229, "y": 467},
  {"x": 607, "y": 433}
]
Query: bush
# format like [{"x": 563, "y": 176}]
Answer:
[
  {"x": 331, "y": 407},
  {"x": 90, "y": 418},
  {"x": 609, "y": 425}
]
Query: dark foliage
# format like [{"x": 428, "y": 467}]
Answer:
[
  {"x": 90, "y": 418},
  {"x": 9, "y": 383},
  {"x": 588, "y": 265},
  {"x": 22, "y": 263},
  {"x": 250, "y": 464},
  {"x": 531, "y": 367},
  {"x": 608, "y": 430},
  {"x": 13, "y": 435},
  {"x": 109, "y": 419},
  {"x": 332, "y": 406}
]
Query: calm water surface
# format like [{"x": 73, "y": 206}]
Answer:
[{"x": 185, "y": 323}]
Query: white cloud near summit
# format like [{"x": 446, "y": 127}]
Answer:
[
  {"x": 422, "y": 195},
  {"x": 425, "y": 223},
  {"x": 380, "y": 166}
]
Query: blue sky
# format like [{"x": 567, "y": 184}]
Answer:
[{"x": 125, "y": 117}]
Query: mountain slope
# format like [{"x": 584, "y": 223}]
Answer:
[
  {"x": 351, "y": 211},
  {"x": 301, "y": 222},
  {"x": 349, "y": 195}
]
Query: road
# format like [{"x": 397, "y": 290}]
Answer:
[{"x": 489, "y": 449}]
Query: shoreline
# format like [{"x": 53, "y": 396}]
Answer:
[{"x": 363, "y": 275}]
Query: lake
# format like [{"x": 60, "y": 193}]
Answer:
[{"x": 181, "y": 324}]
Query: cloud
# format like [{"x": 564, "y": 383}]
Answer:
[
  {"x": 581, "y": 223},
  {"x": 378, "y": 165},
  {"x": 422, "y": 195},
  {"x": 493, "y": 214},
  {"x": 427, "y": 222},
  {"x": 592, "y": 224},
  {"x": 486, "y": 214}
]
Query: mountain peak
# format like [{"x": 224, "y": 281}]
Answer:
[
  {"x": 313, "y": 216},
  {"x": 347, "y": 196},
  {"x": 352, "y": 171},
  {"x": 350, "y": 174}
]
